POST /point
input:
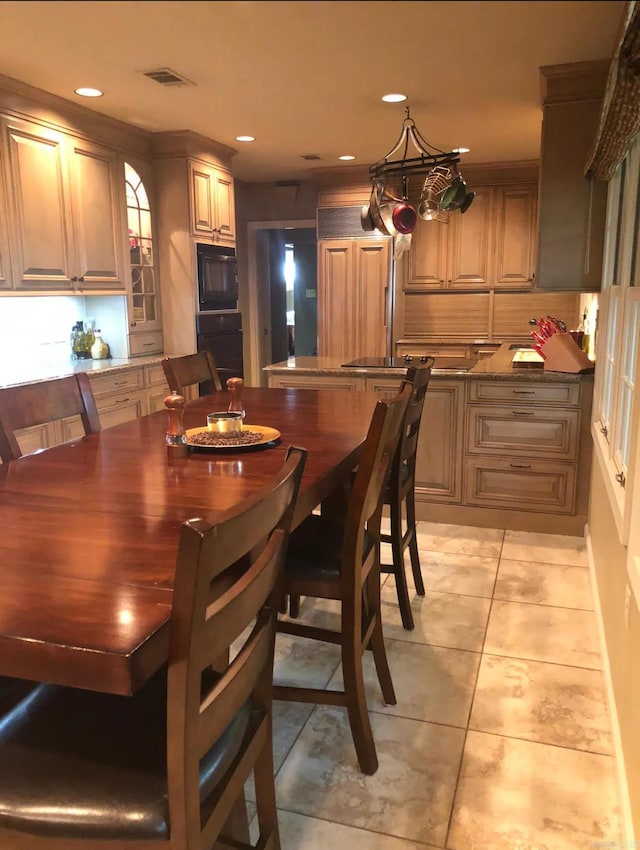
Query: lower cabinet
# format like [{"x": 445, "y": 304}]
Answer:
[
  {"x": 311, "y": 382},
  {"x": 534, "y": 485},
  {"x": 439, "y": 456}
]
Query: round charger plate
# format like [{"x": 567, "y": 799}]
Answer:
[{"x": 269, "y": 435}]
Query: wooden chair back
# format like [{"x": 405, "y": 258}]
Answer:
[
  {"x": 418, "y": 379},
  {"x": 47, "y": 401},
  {"x": 228, "y": 577},
  {"x": 362, "y": 527},
  {"x": 199, "y": 368}
]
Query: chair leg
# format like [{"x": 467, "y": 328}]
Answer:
[
  {"x": 413, "y": 542},
  {"x": 376, "y": 644},
  {"x": 263, "y": 774},
  {"x": 398, "y": 566},
  {"x": 355, "y": 696},
  {"x": 294, "y": 605}
]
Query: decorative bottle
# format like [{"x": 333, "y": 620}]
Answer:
[
  {"x": 99, "y": 349},
  {"x": 176, "y": 438},
  {"x": 236, "y": 404}
]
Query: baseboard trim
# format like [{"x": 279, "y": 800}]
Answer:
[{"x": 626, "y": 821}]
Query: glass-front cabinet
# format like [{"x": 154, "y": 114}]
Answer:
[{"x": 144, "y": 297}]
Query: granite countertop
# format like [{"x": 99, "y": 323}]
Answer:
[
  {"x": 496, "y": 367},
  {"x": 32, "y": 372}
]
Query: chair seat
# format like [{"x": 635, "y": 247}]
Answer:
[
  {"x": 315, "y": 549},
  {"x": 78, "y": 764}
]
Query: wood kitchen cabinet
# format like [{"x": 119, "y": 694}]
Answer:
[
  {"x": 353, "y": 276},
  {"x": 489, "y": 246},
  {"x": 64, "y": 219},
  {"x": 5, "y": 266},
  {"x": 212, "y": 203},
  {"x": 438, "y": 458}
]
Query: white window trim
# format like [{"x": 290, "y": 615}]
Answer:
[{"x": 623, "y": 296}]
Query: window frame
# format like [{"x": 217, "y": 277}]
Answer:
[{"x": 616, "y": 410}]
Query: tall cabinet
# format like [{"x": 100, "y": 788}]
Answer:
[{"x": 353, "y": 284}]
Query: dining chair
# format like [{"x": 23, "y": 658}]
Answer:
[
  {"x": 199, "y": 368},
  {"x": 166, "y": 767},
  {"x": 400, "y": 492},
  {"x": 47, "y": 401},
  {"x": 333, "y": 559}
]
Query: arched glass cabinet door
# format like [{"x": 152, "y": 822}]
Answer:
[{"x": 144, "y": 308}]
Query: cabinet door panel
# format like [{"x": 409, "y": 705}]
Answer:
[
  {"x": 336, "y": 297},
  {"x": 438, "y": 467},
  {"x": 372, "y": 276},
  {"x": 428, "y": 255},
  {"x": 202, "y": 212},
  {"x": 469, "y": 258},
  {"x": 96, "y": 217},
  {"x": 41, "y": 250},
  {"x": 115, "y": 411},
  {"x": 225, "y": 211},
  {"x": 5, "y": 268},
  {"x": 516, "y": 216}
]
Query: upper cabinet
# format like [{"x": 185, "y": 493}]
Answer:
[
  {"x": 491, "y": 246},
  {"x": 212, "y": 203},
  {"x": 572, "y": 206},
  {"x": 64, "y": 223},
  {"x": 5, "y": 266}
]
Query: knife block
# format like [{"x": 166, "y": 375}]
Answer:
[{"x": 562, "y": 354}]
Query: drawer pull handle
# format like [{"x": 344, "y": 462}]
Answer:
[
  {"x": 520, "y": 465},
  {"x": 523, "y": 413},
  {"x": 147, "y": 344},
  {"x": 120, "y": 383},
  {"x": 524, "y": 392},
  {"x": 123, "y": 400}
]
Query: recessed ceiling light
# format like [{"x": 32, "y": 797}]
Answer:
[
  {"x": 87, "y": 91},
  {"x": 245, "y": 138},
  {"x": 461, "y": 150},
  {"x": 394, "y": 98},
  {"x": 346, "y": 156}
]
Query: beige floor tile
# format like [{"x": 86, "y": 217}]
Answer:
[
  {"x": 543, "y": 633},
  {"x": 517, "y": 795},
  {"x": 446, "y": 572},
  {"x": 547, "y": 703},
  {"x": 544, "y": 548},
  {"x": 410, "y": 795},
  {"x": 308, "y": 663},
  {"x": 442, "y": 619},
  {"x": 298, "y": 832},
  {"x": 431, "y": 683},
  {"x": 459, "y": 539},
  {"x": 548, "y": 584}
]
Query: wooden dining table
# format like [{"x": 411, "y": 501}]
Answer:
[{"x": 90, "y": 529}]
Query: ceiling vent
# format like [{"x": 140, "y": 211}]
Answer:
[
  {"x": 167, "y": 77},
  {"x": 310, "y": 156}
]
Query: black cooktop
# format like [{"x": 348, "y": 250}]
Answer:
[{"x": 387, "y": 362}]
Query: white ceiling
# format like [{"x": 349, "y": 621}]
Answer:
[{"x": 307, "y": 77}]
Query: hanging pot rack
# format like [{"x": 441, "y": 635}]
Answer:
[{"x": 426, "y": 157}]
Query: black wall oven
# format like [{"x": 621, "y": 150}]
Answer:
[
  {"x": 221, "y": 333},
  {"x": 217, "y": 278}
]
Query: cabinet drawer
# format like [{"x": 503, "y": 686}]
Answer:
[
  {"x": 517, "y": 429},
  {"x": 316, "y": 383},
  {"x": 115, "y": 382},
  {"x": 525, "y": 391},
  {"x": 386, "y": 387},
  {"x": 154, "y": 376},
  {"x": 150, "y": 343},
  {"x": 119, "y": 409},
  {"x": 520, "y": 484}
]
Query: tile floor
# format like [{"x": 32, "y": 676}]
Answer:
[{"x": 500, "y": 738}]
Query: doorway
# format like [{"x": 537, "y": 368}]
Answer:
[{"x": 282, "y": 293}]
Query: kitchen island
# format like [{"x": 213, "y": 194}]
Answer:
[{"x": 499, "y": 446}]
